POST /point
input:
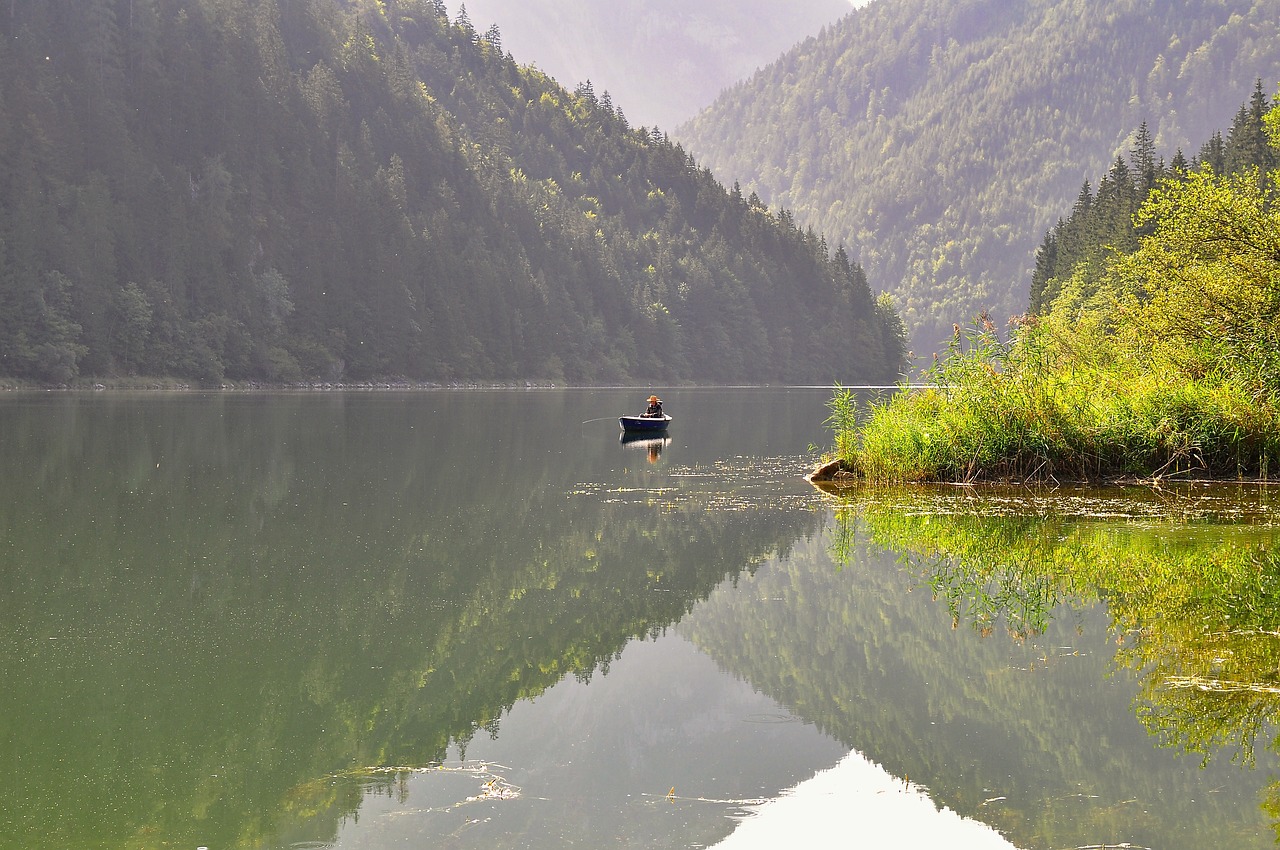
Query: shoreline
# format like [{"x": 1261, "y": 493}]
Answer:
[{"x": 834, "y": 478}]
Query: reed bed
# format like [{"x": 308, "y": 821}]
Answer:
[{"x": 1035, "y": 410}]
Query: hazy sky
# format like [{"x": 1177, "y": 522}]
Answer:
[{"x": 660, "y": 67}]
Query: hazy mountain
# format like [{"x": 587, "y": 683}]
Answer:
[
  {"x": 661, "y": 60},
  {"x": 288, "y": 190},
  {"x": 940, "y": 139}
]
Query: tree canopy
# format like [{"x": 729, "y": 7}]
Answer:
[{"x": 1153, "y": 351}]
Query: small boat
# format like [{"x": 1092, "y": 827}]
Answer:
[{"x": 651, "y": 424}]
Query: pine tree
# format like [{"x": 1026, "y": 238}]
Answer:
[
  {"x": 494, "y": 36},
  {"x": 1045, "y": 269},
  {"x": 1213, "y": 153},
  {"x": 1247, "y": 144},
  {"x": 1143, "y": 157}
]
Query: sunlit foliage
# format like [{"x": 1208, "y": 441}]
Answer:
[{"x": 1152, "y": 362}]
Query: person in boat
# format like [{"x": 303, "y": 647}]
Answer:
[{"x": 655, "y": 407}]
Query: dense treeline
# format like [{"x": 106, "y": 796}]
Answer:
[
  {"x": 1075, "y": 252},
  {"x": 293, "y": 189},
  {"x": 1155, "y": 349},
  {"x": 944, "y": 137}
]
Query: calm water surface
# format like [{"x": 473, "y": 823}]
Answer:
[{"x": 479, "y": 619}]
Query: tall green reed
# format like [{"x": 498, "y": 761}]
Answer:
[{"x": 1055, "y": 403}]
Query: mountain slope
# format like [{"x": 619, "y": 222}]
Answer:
[
  {"x": 289, "y": 190},
  {"x": 662, "y": 60},
  {"x": 940, "y": 139}
]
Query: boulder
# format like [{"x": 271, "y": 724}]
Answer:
[{"x": 828, "y": 471}]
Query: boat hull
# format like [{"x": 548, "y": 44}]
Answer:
[{"x": 644, "y": 424}]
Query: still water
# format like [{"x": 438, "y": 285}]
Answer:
[{"x": 480, "y": 619}]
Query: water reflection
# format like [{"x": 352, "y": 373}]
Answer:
[
  {"x": 860, "y": 798},
  {"x": 663, "y": 751},
  {"x": 1180, "y": 604},
  {"x": 212, "y": 606},
  {"x": 365, "y": 621},
  {"x": 650, "y": 445}
]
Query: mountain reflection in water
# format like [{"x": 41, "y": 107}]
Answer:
[{"x": 463, "y": 618}]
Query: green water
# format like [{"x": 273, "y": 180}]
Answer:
[{"x": 479, "y": 619}]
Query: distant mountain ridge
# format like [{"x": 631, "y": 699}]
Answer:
[
  {"x": 940, "y": 139},
  {"x": 660, "y": 60}
]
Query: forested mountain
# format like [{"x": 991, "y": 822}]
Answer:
[
  {"x": 662, "y": 60},
  {"x": 942, "y": 138},
  {"x": 301, "y": 189}
]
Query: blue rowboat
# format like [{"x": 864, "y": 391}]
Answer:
[{"x": 651, "y": 424}]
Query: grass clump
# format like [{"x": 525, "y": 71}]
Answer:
[{"x": 1033, "y": 409}]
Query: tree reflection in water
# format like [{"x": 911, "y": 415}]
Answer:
[{"x": 1190, "y": 578}]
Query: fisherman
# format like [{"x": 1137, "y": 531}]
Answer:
[{"x": 655, "y": 407}]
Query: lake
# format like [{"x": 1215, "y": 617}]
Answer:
[{"x": 469, "y": 618}]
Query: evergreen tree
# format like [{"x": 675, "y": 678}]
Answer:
[
  {"x": 1247, "y": 144},
  {"x": 1213, "y": 153},
  {"x": 1078, "y": 251},
  {"x": 1143, "y": 157}
]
